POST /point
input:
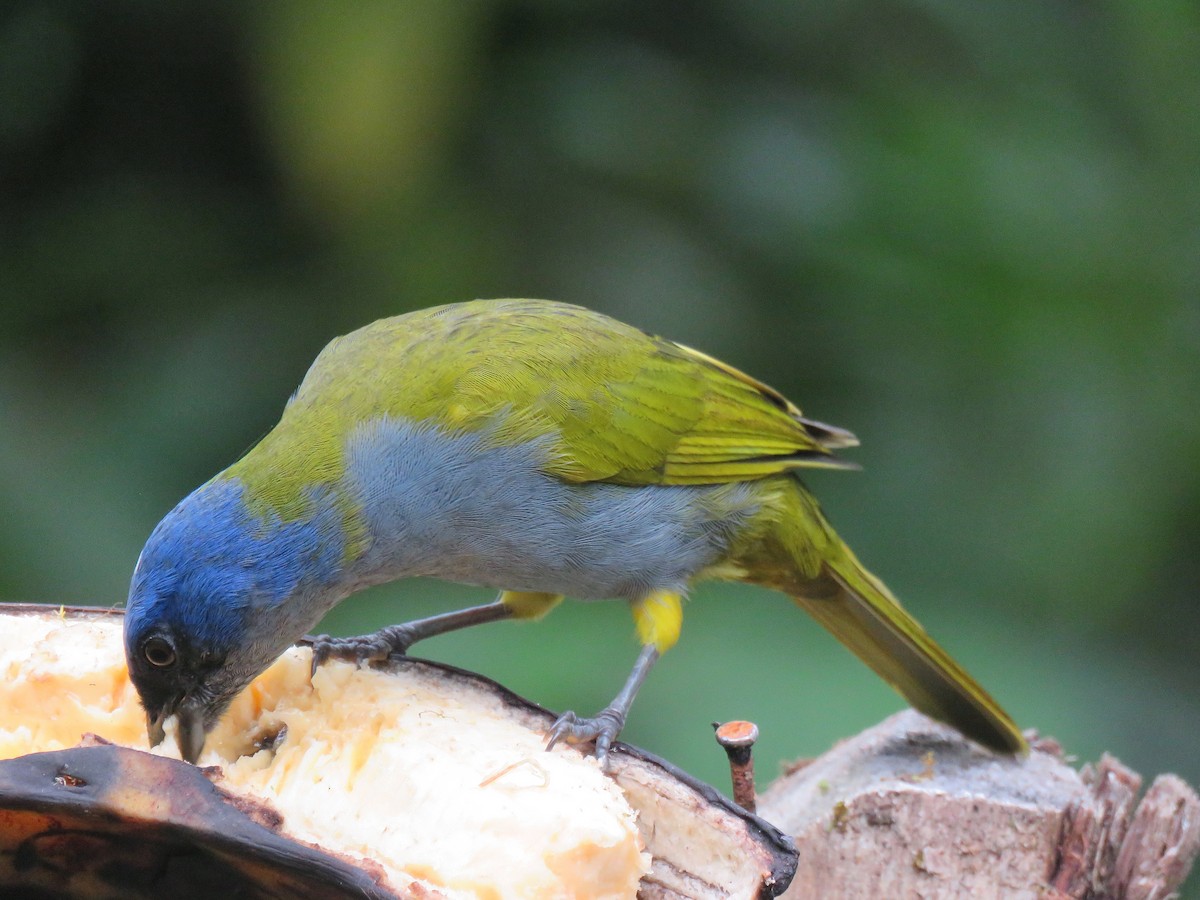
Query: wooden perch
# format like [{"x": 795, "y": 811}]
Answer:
[{"x": 910, "y": 809}]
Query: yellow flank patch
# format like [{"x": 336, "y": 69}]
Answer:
[
  {"x": 530, "y": 604},
  {"x": 659, "y": 617},
  {"x": 724, "y": 571}
]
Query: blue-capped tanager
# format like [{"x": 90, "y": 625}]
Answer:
[{"x": 526, "y": 445}]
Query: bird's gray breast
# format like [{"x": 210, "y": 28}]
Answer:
[{"x": 462, "y": 508}]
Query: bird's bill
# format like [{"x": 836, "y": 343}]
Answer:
[
  {"x": 154, "y": 727},
  {"x": 192, "y": 733}
]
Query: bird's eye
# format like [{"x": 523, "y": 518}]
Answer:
[{"x": 158, "y": 652}]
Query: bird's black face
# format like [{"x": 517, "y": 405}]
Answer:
[{"x": 175, "y": 678}]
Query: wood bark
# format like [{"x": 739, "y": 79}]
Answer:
[{"x": 910, "y": 809}]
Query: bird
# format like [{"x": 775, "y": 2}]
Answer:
[{"x": 530, "y": 446}]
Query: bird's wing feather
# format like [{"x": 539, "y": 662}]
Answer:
[
  {"x": 614, "y": 403},
  {"x": 631, "y": 408},
  {"x": 694, "y": 421}
]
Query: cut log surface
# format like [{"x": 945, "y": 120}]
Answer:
[
  {"x": 411, "y": 780},
  {"x": 909, "y": 809}
]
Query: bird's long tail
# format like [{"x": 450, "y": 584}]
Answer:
[
  {"x": 825, "y": 578},
  {"x": 864, "y": 616}
]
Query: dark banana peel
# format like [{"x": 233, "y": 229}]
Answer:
[
  {"x": 108, "y": 821},
  {"x": 101, "y": 821}
]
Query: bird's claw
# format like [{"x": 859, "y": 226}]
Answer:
[
  {"x": 365, "y": 648},
  {"x": 603, "y": 728}
]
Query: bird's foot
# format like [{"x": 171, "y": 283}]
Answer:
[
  {"x": 603, "y": 728},
  {"x": 365, "y": 648}
]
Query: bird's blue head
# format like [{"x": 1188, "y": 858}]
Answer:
[{"x": 218, "y": 593}]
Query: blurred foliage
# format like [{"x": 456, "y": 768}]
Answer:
[{"x": 969, "y": 232}]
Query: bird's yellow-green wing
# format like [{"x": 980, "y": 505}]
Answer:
[
  {"x": 677, "y": 416},
  {"x": 614, "y": 403},
  {"x": 746, "y": 429}
]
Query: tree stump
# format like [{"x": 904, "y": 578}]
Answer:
[{"x": 911, "y": 809}]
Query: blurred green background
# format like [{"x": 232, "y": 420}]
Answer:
[{"x": 968, "y": 232}]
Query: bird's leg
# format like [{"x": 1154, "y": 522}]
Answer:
[
  {"x": 659, "y": 617},
  {"x": 606, "y": 724},
  {"x": 394, "y": 640}
]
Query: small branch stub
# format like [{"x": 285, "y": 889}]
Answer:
[{"x": 737, "y": 739}]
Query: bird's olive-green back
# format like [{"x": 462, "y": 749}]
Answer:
[{"x": 616, "y": 404}]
